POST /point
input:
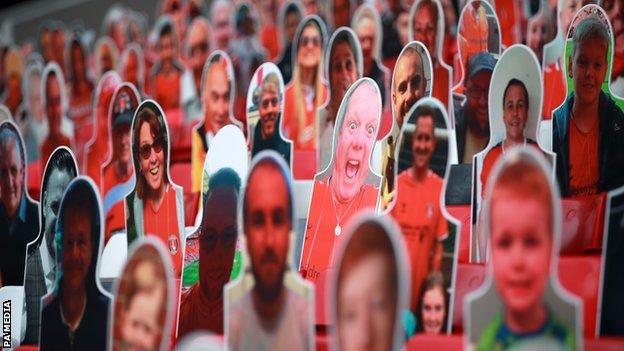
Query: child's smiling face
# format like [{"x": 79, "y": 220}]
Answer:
[{"x": 521, "y": 241}]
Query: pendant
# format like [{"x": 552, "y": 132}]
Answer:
[{"x": 337, "y": 230}]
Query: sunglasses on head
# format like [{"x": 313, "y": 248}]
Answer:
[
  {"x": 314, "y": 41},
  {"x": 146, "y": 150}
]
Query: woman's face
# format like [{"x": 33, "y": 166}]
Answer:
[
  {"x": 367, "y": 306},
  {"x": 309, "y": 50},
  {"x": 152, "y": 157},
  {"x": 515, "y": 107},
  {"x": 433, "y": 310}
]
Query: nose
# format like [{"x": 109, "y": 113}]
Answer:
[
  {"x": 366, "y": 328},
  {"x": 153, "y": 158}
]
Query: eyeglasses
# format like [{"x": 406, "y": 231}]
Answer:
[
  {"x": 208, "y": 238},
  {"x": 314, "y": 41},
  {"x": 272, "y": 101},
  {"x": 146, "y": 149}
]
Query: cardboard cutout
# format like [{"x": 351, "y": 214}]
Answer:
[
  {"x": 478, "y": 31},
  {"x": 429, "y": 232},
  {"x": 155, "y": 206},
  {"x": 370, "y": 287},
  {"x": 78, "y": 240},
  {"x": 522, "y": 205},
  {"x": 265, "y": 104},
  {"x": 343, "y": 66},
  {"x": 301, "y": 107},
  {"x": 198, "y": 45},
  {"x": 217, "y": 98},
  {"x": 411, "y": 80},
  {"x": 106, "y": 56},
  {"x": 347, "y": 186},
  {"x": 133, "y": 66},
  {"x": 271, "y": 291},
  {"x": 143, "y": 309},
  {"x": 166, "y": 73},
  {"x": 212, "y": 253},
  {"x": 588, "y": 160},
  {"x": 422, "y": 28},
  {"x": 60, "y": 129},
  {"x": 40, "y": 270},
  {"x": 117, "y": 173},
  {"x": 513, "y": 120},
  {"x": 291, "y": 13},
  {"x": 19, "y": 224}
]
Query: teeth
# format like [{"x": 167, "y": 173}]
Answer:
[{"x": 154, "y": 170}]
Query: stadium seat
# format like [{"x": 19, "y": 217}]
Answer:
[
  {"x": 435, "y": 342},
  {"x": 34, "y": 179},
  {"x": 583, "y": 222},
  {"x": 462, "y": 214},
  {"x": 469, "y": 278},
  {"x": 580, "y": 275}
]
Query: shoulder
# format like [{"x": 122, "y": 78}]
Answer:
[{"x": 487, "y": 339}]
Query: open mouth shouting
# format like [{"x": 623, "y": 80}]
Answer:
[{"x": 352, "y": 168}]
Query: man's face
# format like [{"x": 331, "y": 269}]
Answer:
[
  {"x": 433, "y": 311},
  {"x": 216, "y": 99},
  {"x": 53, "y": 104},
  {"x": 121, "y": 144},
  {"x": 291, "y": 21},
  {"x": 367, "y": 306},
  {"x": 221, "y": 27},
  {"x": 269, "y": 110},
  {"x": 52, "y": 195},
  {"x": 366, "y": 35},
  {"x": 130, "y": 70},
  {"x": 402, "y": 23},
  {"x": 199, "y": 48},
  {"x": 478, "y": 90},
  {"x": 342, "y": 71},
  {"x": 425, "y": 29},
  {"x": 515, "y": 107},
  {"x": 217, "y": 241},
  {"x": 588, "y": 67},
  {"x": 409, "y": 84},
  {"x": 309, "y": 50},
  {"x": 78, "y": 63},
  {"x": 267, "y": 229},
  {"x": 356, "y": 137},
  {"x": 166, "y": 49},
  {"x": 11, "y": 178},
  {"x": 341, "y": 13},
  {"x": 521, "y": 247},
  {"x": 423, "y": 142},
  {"x": 34, "y": 97},
  {"x": 77, "y": 248}
]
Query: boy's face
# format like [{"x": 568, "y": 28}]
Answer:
[
  {"x": 140, "y": 329},
  {"x": 587, "y": 67},
  {"x": 521, "y": 242}
]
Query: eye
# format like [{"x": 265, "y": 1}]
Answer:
[
  {"x": 402, "y": 87},
  {"x": 370, "y": 130},
  {"x": 504, "y": 242},
  {"x": 352, "y": 126}
]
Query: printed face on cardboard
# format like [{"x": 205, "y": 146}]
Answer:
[
  {"x": 266, "y": 217},
  {"x": 343, "y": 63},
  {"x": 123, "y": 105},
  {"x": 411, "y": 80},
  {"x": 265, "y": 106},
  {"x": 478, "y": 31},
  {"x": 426, "y": 25},
  {"x": 367, "y": 293},
  {"x": 133, "y": 65},
  {"x": 106, "y": 56},
  {"x": 522, "y": 227},
  {"x": 141, "y": 316},
  {"x": 54, "y": 98},
  {"x": 366, "y": 24},
  {"x": 217, "y": 93}
]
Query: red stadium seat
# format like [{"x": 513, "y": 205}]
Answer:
[
  {"x": 462, "y": 214},
  {"x": 583, "y": 221},
  {"x": 435, "y": 342},
  {"x": 469, "y": 278},
  {"x": 181, "y": 175},
  {"x": 580, "y": 275},
  {"x": 34, "y": 179}
]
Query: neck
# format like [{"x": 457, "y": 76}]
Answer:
[
  {"x": 419, "y": 173},
  {"x": 526, "y": 321},
  {"x": 157, "y": 197},
  {"x": 332, "y": 109},
  {"x": 509, "y": 142},
  {"x": 333, "y": 186},
  {"x": 268, "y": 310},
  {"x": 122, "y": 168},
  {"x": 585, "y": 114},
  {"x": 72, "y": 305},
  {"x": 308, "y": 76}
]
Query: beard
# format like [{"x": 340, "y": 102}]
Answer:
[{"x": 268, "y": 290}]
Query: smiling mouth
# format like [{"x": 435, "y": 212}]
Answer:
[
  {"x": 154, "y": 170},
  {"x": 352, "y": 168}
]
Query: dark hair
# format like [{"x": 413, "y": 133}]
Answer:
[
  {"x": 157, "y": 129},
  {"x": 434, "y": 280},
  {"x": 63, "y": 161},
  {"x": 224, "y": 177},
  {"x": 166, "y": 29},
  {"x": 432, "y": 7},
  {"x": 342, "y": 36},
  {"x": 591, "y": 29},
  {"x": 75, "y": 43},
  {"x": 292, "y": 8},
  {"x": 518, "y": 83},
  {"x": 422, "y": 111}
]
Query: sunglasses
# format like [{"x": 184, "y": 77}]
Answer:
[
  {"x": 272, "y": 101},
  {"x": 314, "y": 41},
  {"x": 146, "y": 149},
  {"x": 208, "y": 239}
]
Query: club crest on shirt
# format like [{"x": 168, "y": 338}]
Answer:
[{"x": 173, "y": 244}]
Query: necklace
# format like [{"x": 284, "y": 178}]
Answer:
[{"x": 338, "y": 228}]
